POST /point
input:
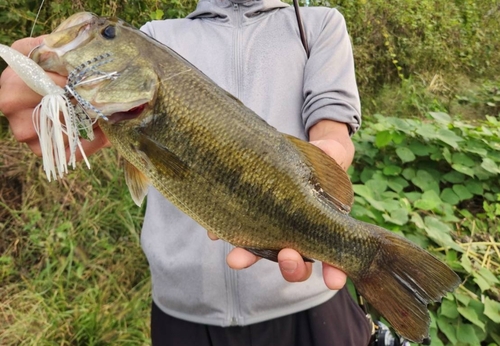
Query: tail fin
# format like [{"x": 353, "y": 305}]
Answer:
[{"x": 401, "y": 281}]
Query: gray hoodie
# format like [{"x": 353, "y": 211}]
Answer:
[{"x": 253, "y": 50}]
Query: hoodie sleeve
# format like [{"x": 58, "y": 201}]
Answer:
[{"x": 330, "y": 89}]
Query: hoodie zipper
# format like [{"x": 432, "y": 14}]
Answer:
[
  {"x": 231, "y": 274},
  {"x": 237, "y": 51}
]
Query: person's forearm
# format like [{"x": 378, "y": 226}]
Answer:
[{"x": 333, "y": 138}]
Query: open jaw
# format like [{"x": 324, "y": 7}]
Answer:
[{"x": 132, "y": 113}]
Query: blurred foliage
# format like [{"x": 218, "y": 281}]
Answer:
[
  {"x": 392, "y": 39},
  {"x": 436, "y": 181}
]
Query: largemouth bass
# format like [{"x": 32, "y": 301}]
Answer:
[{"x": 237, "y": 176}]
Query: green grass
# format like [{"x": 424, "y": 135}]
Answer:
[{"x": 71, "y": 267}]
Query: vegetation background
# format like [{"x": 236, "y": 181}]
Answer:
[{"x": 427, "y": 166}]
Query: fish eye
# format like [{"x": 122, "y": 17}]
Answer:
[{"x": 109, "y": 32}]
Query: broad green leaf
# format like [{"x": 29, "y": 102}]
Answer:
[
  {"x": 447, "y": 155},
  {"x": 476, "y": 148},
  {"x": 488, "y": 276},
  {"x": 403, "y": 182},
  {"x": 409, "y": 173},
  {"x": 399, "y": 124},
  {"x": 419, "y": 148},
  {"x": 449, "y": 309},
  {"x": 495, "y": 337},
  {"x": 449, "y": 196},
  {"x": 466, "y": 334},
  {"x": 391, "y": 205},
  {"x": 398, "y": 217},
  {"x": 441, "y": 117},
  {"x": 440, "y": 233},
  {"x": 467, "y": 265},
  {"x": 436, "y": 341},
  {"x": 454, "y": 177},
  {"x": 362, "y": 190},
  {"x": 392, "y": 170},
  {"x": 377, "y": 186},
  {"x": 429, "y": 201},
  {"x": 427, "y": 131},
  {"x": 367, "y": 174},
  {"x": 463, "y": 159},
  {"x": 490, "y": 165},
  {"x": 359, "y": 212},
  {"x": 426, "y": 181},
  {"x": 482, "y": 283},
  {"x": 417, "y": 220},
  {"x": 413, "y": 196},
  {"x": 376, "y": 204},
  {"x": 448, "y": 329},
  {"x": 395, "y": 186},
  {"x": 462, "y": 192},
  {"x": 463, "y": 169},
  {"x": 405, "y": 154},
  {"x": 471, "y": 315},
  {"x": 492, "y": 310},
  {"x": 449, "y": 137},
  {"x": 398, "y": 137},
  {"x": 462, "y": 298},
  {"x": 383, "y": 138},
  {"x": 474, "y": 187}
]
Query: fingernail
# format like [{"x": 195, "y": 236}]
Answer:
[{"x": 288, "y": 266}]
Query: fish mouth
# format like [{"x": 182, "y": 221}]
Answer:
[{"x": 131, "y": 114}]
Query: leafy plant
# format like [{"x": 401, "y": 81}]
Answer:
[{"x": 436, "y": 181}]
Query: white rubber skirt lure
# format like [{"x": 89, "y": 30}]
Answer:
[{"x": 54, "y": 118}]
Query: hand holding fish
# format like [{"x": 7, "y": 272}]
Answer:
[{"x": 17, "y": 102}]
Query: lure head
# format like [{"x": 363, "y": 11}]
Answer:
[{"x": 106, "y": 61}]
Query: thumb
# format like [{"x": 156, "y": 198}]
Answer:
[{"x": 26, "y": 45}]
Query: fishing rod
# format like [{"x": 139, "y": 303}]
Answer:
[{"x": 302, "y": 32}]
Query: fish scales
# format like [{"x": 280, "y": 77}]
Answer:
[
  {"x": 234, "y": 174},
  {"x": 250, "y": 194}
]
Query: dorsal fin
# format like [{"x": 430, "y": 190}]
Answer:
[{"x": 330, "y": 180}]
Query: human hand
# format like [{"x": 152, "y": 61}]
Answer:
[
  {"x": 292, "y": 266},
  {"x": 17, "y": 102}
]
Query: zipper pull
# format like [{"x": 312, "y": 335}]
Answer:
[{"x": 235, "y": 6}]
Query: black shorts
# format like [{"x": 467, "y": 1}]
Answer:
[{"x": 337, "y": 322}]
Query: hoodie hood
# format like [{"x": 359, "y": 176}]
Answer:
[{"x": 221, "y": 8}]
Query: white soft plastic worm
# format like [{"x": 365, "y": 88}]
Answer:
[{"x": 47, "y": 115}]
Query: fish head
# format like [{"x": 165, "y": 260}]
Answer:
[{"x": 106, "y": 61}]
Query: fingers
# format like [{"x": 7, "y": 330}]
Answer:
[
  {"x": 292, "y": 266},
  {"x": 240, "y": 258},
  {"x": 27, "y": 44},
  {"x": 334, "y": 278},
  {"x": 212, "y": 236}
]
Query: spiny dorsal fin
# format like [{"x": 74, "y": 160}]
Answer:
[
  {"x": 137, "y": 183},
  {"x": 330, "y": 180}
]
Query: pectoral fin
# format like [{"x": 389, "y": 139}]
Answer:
[
  {"x": 163, "y": 160},
  {"x": 137, "y": 183},
  {"x": 329, "y": 179}
]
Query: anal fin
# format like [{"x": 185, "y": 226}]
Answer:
[{"x": 271, "y": 255}]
